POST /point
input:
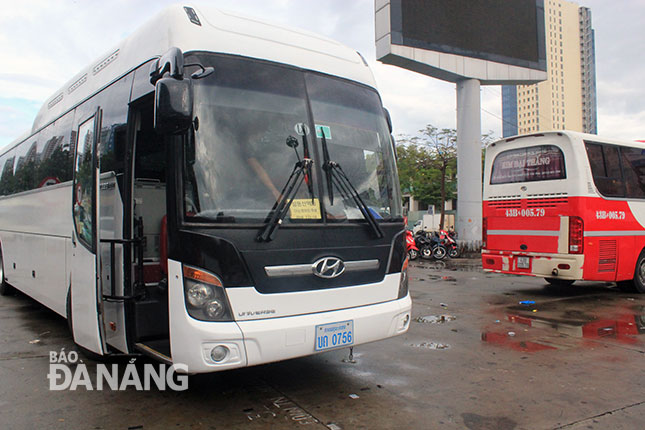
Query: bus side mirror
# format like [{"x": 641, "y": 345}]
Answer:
[{"x": 173, "y": 106}]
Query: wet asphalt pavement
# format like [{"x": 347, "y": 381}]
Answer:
[{"x": 474, "y": 358}]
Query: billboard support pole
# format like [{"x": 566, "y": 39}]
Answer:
[{"x": 469, "y": 163}]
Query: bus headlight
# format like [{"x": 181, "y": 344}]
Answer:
[
  {"x": 205, "y": 296},
  {"x": 198, "y": 294},
  {"x": 214, "y": 309}
]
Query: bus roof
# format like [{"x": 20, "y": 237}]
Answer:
[
  {"x": 205, "y": 29},
  {"x": 568, "y": 134}
]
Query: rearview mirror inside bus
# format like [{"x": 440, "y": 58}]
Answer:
[{"x": 173, "y": 106}]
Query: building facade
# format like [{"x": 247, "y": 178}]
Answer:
[{"x": 567, "y": 99}]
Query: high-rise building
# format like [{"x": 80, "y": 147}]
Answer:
[
  {"x": 588, "y": 72},
  {"x": 567, "y": 99}
]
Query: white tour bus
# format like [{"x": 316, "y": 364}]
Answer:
[{"x": 215, "y": 191}]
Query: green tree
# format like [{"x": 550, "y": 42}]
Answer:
[{"x": 427, "y": 165}]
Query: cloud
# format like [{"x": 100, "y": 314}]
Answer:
[{"x": 44, "y": 43}]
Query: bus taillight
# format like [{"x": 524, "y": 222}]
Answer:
[
  {"x": 484, "y": 231},
  {"x": 576, "y": 235}
]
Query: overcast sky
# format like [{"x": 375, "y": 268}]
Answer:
[{"x": 44, "y": 43}]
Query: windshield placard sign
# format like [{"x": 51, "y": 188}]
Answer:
[
  {"x": 323, "y": 130},
  {"x": 305, "y": 209}
]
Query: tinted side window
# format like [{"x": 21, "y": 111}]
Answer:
[
  {"x": 606, "y": 170},
  {"x": 114, "y": 104},
  {"x": 7, "y": 180},
  {"x": 55, "y": 153},
  {"x": 84, "y": 184},
  {"x": 596, "y": 160},
  {"x": 26, "y": 164},
  {"x": 633, "y": 161}
]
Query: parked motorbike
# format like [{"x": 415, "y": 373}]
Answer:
[
  {"x": 439, "y": 251},
  {"x": 449, "y": 242},
  {"x": 411, "y": 246},
  {"x": 430, "y": 245},
  {"x": 423, "y": 243}
]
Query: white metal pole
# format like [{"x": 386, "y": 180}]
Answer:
[{"x": 469, "y": 163}]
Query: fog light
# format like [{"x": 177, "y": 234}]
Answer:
[
  {"x": 219, "y": 353},
  {"x": 214, "y": 309}
]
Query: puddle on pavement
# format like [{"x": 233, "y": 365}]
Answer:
[
  {"x": 279, "y": 409},
  {"x": 569, "y": 323},
  {"x": 450, "y": 265},
  {"x": 431, "y": 345},
  {"x": 427, "y": 277},
  {"x": 435, "y": 319}
]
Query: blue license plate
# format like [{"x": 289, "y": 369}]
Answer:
[{"x": 334, "y": 335}]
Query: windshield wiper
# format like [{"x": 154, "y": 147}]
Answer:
[
  {"x": 293, "y": 143},
  {"x": 336, "y": 176},
  {"x": 301, "y": 172}
]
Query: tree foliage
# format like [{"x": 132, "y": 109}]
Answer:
[
  {"x": 427, "y": 165},
  {"x": 424, "y": 160}
]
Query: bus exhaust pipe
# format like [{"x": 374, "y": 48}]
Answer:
[{"x": 555, "y": 272}]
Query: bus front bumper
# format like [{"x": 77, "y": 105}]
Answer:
[
  {"x": 560, "y": 266},
  {"x": 268, "y": 340}
]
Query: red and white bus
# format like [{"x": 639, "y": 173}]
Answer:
[{"x": 565, "y": 206}]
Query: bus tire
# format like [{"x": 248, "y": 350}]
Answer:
[
  {"x": 559, "y": 282},
  {"x": 627, "y": 286},
  {"x": 639, "y": 274},
  {"x": 5, "y": 289},
  {"x": 68, "y": 311}
]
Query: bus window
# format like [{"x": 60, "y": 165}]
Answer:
[
  {"x": 535, "y": 163},
  {"x": 83, "y": 184},
  {"x": 7, "y": 181},
  {"x": 596, "y": 160},
  {"x": 633, "y": 160},
  {"x": 25, "y": 171},
  {"x": 606, "y": 171}
]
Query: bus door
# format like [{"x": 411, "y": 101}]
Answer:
[{"x": 86, "y": 298}]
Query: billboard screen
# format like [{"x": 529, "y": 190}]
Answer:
[{"x": 503, "y": 31}]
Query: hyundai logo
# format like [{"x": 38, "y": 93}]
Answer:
[{"x": 328, "y": 267}]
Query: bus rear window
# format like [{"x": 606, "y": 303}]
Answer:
[{"x": 535, "y": 163}]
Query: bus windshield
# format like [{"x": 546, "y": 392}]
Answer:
[{"x": 254, "y": 124}]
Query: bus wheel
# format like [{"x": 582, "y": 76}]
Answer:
[
  {"x": 5, "y": 289},
  {"x": 68, "y": 311},
  {"x": 639, "y": 274},
  {"x": 559, "y": 282},
  {"x": 627, "y": 286}
]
